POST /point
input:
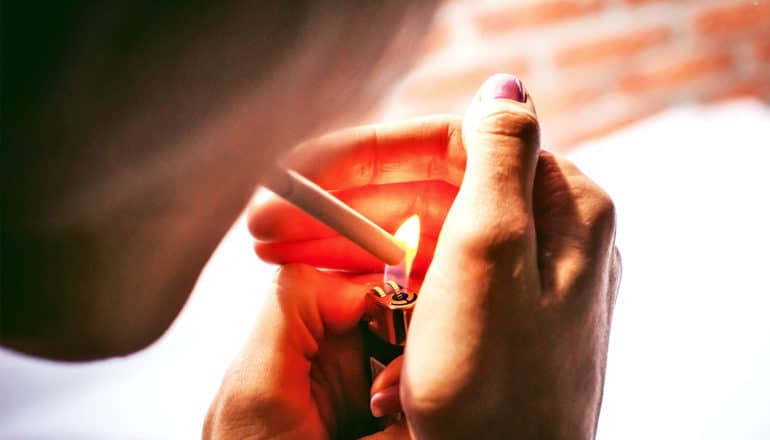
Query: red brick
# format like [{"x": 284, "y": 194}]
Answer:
[
  {"x": 755, "y": 87},
  {"x": 644, "y": 2},
  {"x": 535, "y": 14},
  {"x": 560, "y": 101},
  {"x": 615, "y": 46},
  {"x": 676, "y": 74},
  {"x": 734, "y": 18},
  {"x": 456, "y": 85},
  {"x": 762, "y": 50}
]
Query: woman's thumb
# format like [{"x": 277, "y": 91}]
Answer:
[
  {"x": 501, "y": 138},
  {"x": 484, "y": 266}
]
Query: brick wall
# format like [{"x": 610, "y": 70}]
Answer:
[{"x": 592, "y": 66}]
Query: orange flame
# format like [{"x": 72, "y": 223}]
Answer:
[{"x": 409, "y": 235}]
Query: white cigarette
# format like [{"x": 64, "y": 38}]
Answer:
[{"x": 332, "y": 212}]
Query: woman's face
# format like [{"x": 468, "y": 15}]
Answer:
[
  {"x": 342, "y": 64},
  {"x": 124, "y": 99},
  {"x": 121, "y": 83},
  {"x": 155, "y": 122}
]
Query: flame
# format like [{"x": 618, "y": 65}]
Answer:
[{"x": 409, "y": 235}]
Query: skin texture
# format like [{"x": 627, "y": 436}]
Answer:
[
  {"x": 303, "y": 375},
  {"x": 518, "y": 281},
  {"x": 134, "y": 134}
]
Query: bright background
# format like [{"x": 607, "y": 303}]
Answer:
[{"x": 684, "y": 160}]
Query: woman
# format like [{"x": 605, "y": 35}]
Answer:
[{"x": 136, "y": 134}]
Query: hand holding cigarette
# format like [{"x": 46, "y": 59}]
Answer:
[{"x": 509, "y": 336}]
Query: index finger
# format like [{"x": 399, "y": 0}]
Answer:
[{"x": 424, "y": 148}]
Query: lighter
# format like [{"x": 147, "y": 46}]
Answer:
[
  {"x": 389, "y": 307},
  {"x": 388, "y": 312},
  {"x": 386, "y": 318}
]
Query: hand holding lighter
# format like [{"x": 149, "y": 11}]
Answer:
[{"x": 386, "y": 317}]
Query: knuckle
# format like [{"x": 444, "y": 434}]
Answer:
[
  {"x": 292, "y": 271},
  {"x": 425, "y": 409},
  {"x": 434, "y": 404},
  {"x": 436, "y": 168},
  {"x": 563, "y": 164},
  {"x": 603, "y": 216},
  {"x": 596, "y": 208},
  {"x": 289, "y": 275},
  {"x": 510, "y": 123}
]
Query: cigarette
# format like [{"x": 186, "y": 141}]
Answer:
[{"x": 331, "y": 211}]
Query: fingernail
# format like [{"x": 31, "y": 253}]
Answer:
[
  {"x": 385, "y": 401},
  {"x": 502, "y": 86}
]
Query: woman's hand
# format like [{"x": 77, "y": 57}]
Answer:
[
  {"x": 302, "y": 372},
  {"x": 509, "y": 336}
]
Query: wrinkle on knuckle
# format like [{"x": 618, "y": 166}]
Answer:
[
  {"x": 432, "y": 403},
  {"x": 454, "y": 131},
  {"x": 435, "y": 168},
  {"x": 286, "y": 274},
  {"x": 603, "y": 217},
  {"x": 365, "y": 169},
  {"x": 291, "y": 283},
  {"x": 593, "y": 207},
  {"x": 504, "y": 122},
  {"x": 373, "y": 164},
  {"x": 420, "y": 202}
]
